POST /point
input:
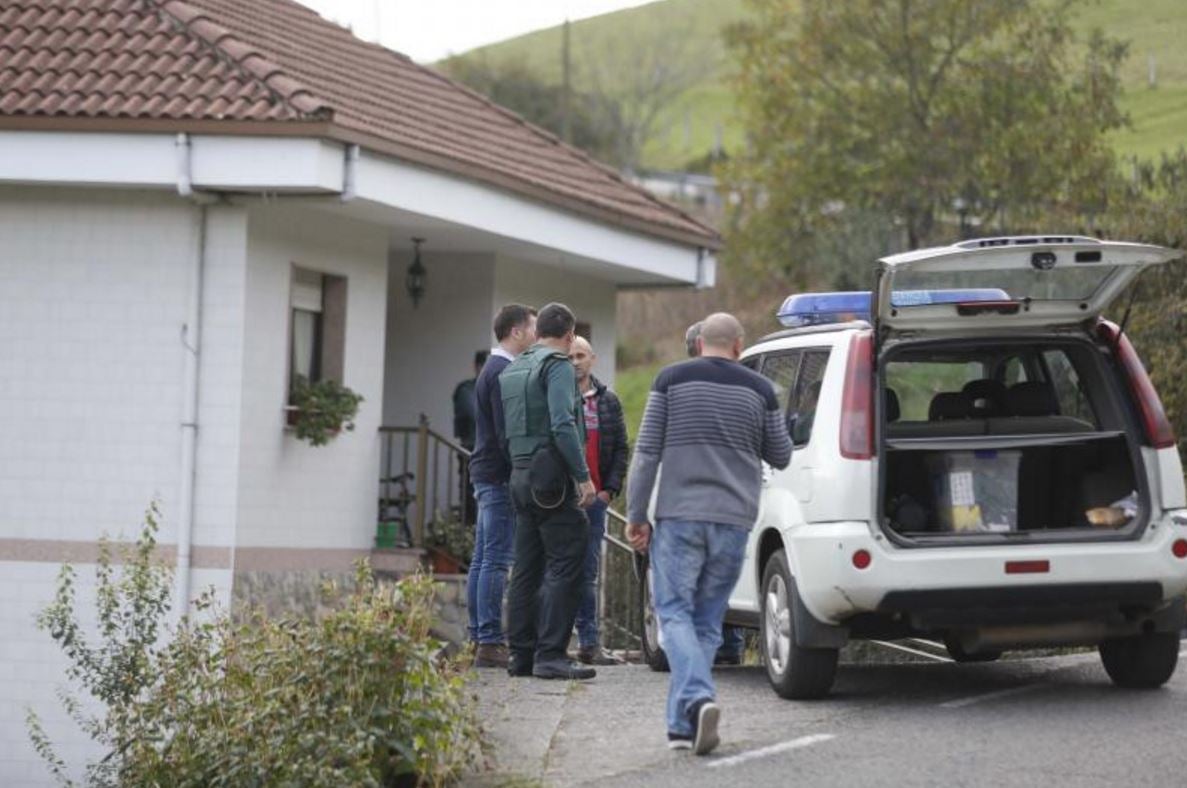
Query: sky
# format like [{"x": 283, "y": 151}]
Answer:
[{"x": 428, "y": 30}]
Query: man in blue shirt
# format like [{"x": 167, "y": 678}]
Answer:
[{"x": 490, "y": 471}]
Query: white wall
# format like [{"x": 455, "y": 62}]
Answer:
[
  {"x": 93, "y": 287},
  {"x": 292, "y": 494},
  {"x": 431, "y": 347},
  {"x": 592, "y": 300}
]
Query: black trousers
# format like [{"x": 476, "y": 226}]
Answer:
[{"x": 545, "y": 586}]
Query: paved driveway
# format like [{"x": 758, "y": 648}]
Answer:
[{"x": 1045, "y": 721}]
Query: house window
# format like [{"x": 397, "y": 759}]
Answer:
[{"x": 317, "y": 326}]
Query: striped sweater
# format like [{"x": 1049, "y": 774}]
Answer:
[{"x": 710, "y": 422}]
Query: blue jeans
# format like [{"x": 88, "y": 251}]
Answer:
[
  {"x": 695, "y": 566},
  {"x": 733, "y": 641},
  {"x": 587, "y": 613},
  {"x": 494, "y": 538}
]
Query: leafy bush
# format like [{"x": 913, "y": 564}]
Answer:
[
  {"x": 323, "y": 409},
  {"x": 359, "y": 697}
]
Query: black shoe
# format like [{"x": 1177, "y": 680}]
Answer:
[
  {"x": 725, "y": 658},
  {"x": 679, "y": 741},
  {"x": 518, "y": 667},
  {"x": 562, "y": 669},
  {"x": 704, "y": 716}
]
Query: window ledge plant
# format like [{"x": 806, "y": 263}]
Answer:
[{"x": 318, "y": 411}]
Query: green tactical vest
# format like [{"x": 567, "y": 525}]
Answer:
[{"x": 525, "y": 401}]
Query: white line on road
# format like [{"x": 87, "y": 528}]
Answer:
[
  {"x": 774, "y": 749},
  {"x": 962, "y": 702},
  {"x": 914, "y": 651}
]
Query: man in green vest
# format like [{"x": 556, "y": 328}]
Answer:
[{"x": 550, "y": 488}]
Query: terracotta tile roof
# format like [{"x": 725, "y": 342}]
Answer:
[{"x": 259, "y": 63}]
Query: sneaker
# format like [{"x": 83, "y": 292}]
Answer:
[
  {"x": 562, "y": 669},
  {"x": 491, "y": 655},
  {"x": 594, "y": 655},
  {"x": 679, "y": 741},
  {"x": 704, "y": 715}
]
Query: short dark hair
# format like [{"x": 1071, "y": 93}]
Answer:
[
  {"x": 554, "y": 321},
  {"x": 691, "y": 336},
  {"x": 509, "y": 317},
  {"x": 480, "y": 357}
]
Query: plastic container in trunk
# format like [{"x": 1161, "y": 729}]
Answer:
[{"x": 976, "y": 491}]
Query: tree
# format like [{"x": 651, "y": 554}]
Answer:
[
  {"x": 641, "y": 74},
  {"x": 910, "y": 114},
  {"x": 513, "y": 84}
]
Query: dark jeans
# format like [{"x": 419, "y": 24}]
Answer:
[
  {"x": 587, "y": 613},
  {"x": 545, "y": 585},
  {"x": 733, "y": 641}
]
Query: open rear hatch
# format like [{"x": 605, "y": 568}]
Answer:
[
  {"x": 1044, "y": 281},
  {"x": 997, "y": 423}
]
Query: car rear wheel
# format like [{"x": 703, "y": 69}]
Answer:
[
  {"x": 653, "y": 653},
  {"x": 1142, "y": 662},
  {"x": 795, "y": 672}
]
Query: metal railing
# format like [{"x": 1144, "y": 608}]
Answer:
[
  {"x": 620, "y": 598},
  {"x": 420, "y": 470}
]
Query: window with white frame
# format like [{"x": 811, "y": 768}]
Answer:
[{"x": 317, "y": 326}]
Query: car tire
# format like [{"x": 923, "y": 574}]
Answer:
[
  {"x": 653, "y": 653},
  {"x": 1141, "y": 662},
  {"x": 958, "y": 653},
  {"x": 795, "y": 672}
]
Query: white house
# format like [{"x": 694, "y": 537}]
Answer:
[{"x": 197, "y": 198}]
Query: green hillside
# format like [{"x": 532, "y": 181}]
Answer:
[{"x": 688, "y": 129}]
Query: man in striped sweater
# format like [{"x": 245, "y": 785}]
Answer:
[{"x": 712, "y": 423}]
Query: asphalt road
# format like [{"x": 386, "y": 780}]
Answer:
[{"x": 1044, "y": 721}]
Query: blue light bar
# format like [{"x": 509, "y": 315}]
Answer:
[{"x": 817, "y": 309}]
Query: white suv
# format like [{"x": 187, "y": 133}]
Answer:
[{"x": 980, "y": 458}]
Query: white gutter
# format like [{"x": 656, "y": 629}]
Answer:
[
  {"x": 350, "y": 170},
  {"x": 191, "y": 343}
]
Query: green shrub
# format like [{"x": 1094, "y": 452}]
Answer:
[
  {"x": 359, "y": 697},
  {"x": 323, "y": 409}
]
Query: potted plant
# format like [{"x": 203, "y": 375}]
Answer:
[
  {"x": 322, "y": 409},
  {"x": 449, "y": 543}
]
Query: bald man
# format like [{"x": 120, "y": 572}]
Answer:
[
  {"x": 606, "y": 455},
  {"x": 712, "y": 423}
]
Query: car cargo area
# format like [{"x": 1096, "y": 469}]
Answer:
[{"x": 1006, "y": 441}]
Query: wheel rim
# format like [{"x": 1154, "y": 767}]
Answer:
[{"x": 777, "y": 625}]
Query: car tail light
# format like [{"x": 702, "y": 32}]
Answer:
[
  {"x": 1159, "y": 432},
  {"x": 857, "y": 400},
  {"x": 862, "y": 559},
  {"x": 1179, "y": 548}
]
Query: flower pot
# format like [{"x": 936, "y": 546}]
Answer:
[{"x": 442, "y": 563}]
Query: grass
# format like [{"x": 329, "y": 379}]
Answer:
[
  {"x": 632, "y": 385},
  {"x": 689, "y": 128}
]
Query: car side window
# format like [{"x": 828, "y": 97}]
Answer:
[
  {"x": 1069, "y": 390},
  {"x": 807, "y": 393},
  {"x": 780, "y": 369}
]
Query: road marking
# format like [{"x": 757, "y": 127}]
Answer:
[
  {"x": 774, "y": 749},
  {"x": 914, "y": 651},
  {"x": 960, "y": 703}
]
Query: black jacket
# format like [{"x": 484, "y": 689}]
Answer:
[{"x": 613, "y": 446}]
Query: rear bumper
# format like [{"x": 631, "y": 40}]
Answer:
[{"x": 968, "y": 585}]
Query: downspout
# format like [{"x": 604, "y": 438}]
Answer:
[
  {"x": 191, "y": 343},
  {"x": 350, "y": 170}
]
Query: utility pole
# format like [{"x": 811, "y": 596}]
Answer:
[{"x": 566, "y": 82}]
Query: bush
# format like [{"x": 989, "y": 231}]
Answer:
[{"x": 359, "y": 697}]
